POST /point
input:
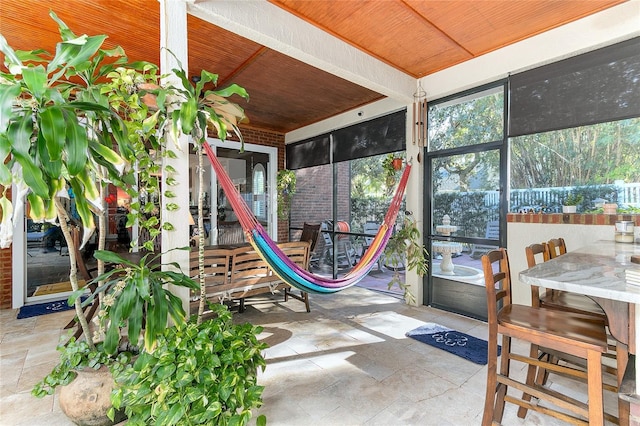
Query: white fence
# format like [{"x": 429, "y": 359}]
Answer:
[{"x": 624, "y": 194}]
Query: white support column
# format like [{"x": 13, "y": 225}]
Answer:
[
  {"x": 173, "y": 38},
  {"x": 414, "y": 201}
]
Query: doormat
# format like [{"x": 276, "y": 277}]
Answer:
[
  {"x": 60, "y": 287},
  {"x": 29, "y": 311},
  {"x": 460, "y": 344}
]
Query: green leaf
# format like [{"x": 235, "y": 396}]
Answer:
[
  {"x": 176, "y": 412},
  {"x": 36, "y": 80},
  {"x": 19, "y": 134},
  {"x": 50, "y": 167},
  {"x": 37, "y": 210},
  {"x": 32, "y": 175},
  {"x": 52, "y": 127},
  {"x": 107, "y": 154},
  {"x": 88, "y": 49},
  {"x": 77, "y": 147},
  {"x": 232, "y": 89},
  {"x": 188, "y": 111},
  {"x": 110, "y": 257},
  {"x": 8, "y": 51},
  {"x": 156, "y": 317},
  {"x": 8, "y": 95}
]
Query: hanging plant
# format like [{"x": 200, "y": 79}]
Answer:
[
  {"x": 391, "y": 165},
  {"x": 286, "y": 185}
]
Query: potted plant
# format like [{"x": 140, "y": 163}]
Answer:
[
  {"x": 76, "y": 119},
  {"x": 391, "y": 165},
  {"x": 286, "y": 186},
  {"x": 571, "y": 201},
  {"x": 406, "y": 248},
  {"x": 198, "y": 374}
]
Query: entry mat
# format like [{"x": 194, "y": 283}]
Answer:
[
  {"x": 29, "y": 311},
  {"x": 460, "y": 344}
]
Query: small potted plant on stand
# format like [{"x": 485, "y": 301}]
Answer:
[
  {"x": 405, "y": 248},
  {"x": 571, "y": 201}
]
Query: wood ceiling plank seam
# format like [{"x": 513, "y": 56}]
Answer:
[
  {"x": 433, "y": 25},
  {"x": 243, "y": 66}
]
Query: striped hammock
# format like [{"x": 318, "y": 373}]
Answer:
[{"x": 288, "y": 271}]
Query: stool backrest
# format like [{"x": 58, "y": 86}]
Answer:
[
  {"x": 497, "y": 278},
  {"x": 541, "y": 251},
  {"x": 557, "y": 247}
]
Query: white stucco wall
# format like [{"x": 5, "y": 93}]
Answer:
[{"x": 520, "y": 235}]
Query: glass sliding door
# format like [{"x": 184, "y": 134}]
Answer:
[{"x": 465, "y": 186}]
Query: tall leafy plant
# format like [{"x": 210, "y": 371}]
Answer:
[{"x": 58, "y": 130}]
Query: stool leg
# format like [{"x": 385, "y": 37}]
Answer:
[
  {"x": 622, "y": 358},
  {"x": 505, "y": 366},
  {"x": 492, "y": 380},
  {"x": 531, "y": 379},
  {"x": 594, "y": 384}
]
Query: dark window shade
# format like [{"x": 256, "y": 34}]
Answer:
[
  {"x": 374, "y": 137},
  {"x": 308, "y": 153},
  {"x": 595, "y": 87}
]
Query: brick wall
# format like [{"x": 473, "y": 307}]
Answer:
[{"x": 313, "y": 200}]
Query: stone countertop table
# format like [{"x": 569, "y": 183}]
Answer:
[{"x": 598, "y": 271}]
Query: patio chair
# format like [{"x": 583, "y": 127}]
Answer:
[
  {"x": 310, "y": 232},
  {"x": 571, "y": 302},
  {"x": 372, "y": 229},
  {"x": 493, "y": 233},
  {"x": 346, "y": 253}
]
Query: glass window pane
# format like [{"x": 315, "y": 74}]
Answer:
[
  {"x": 466, "y": 121},
  {"x": 465, "y": 187},
  {"x": 601, "y": 162}
]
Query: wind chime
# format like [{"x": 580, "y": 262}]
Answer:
[{"x": 419, "y": 133}]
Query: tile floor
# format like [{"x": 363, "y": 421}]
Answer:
[{"x": 347, "y": 362}]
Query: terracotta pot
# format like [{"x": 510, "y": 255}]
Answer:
[{"x": 86, "y": 399}]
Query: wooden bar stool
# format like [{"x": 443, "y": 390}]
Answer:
[
  {"x": 557, "y": 247},
  {"x": 577, "y": 303},
  {"x": 581, "y": 336},
  {"x": 561, "y": 300}
]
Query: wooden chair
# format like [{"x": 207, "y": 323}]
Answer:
[
  {"x": 581, "y": 336},
  {"x": 561, "y": 300},
  {"x": 556, "y": 247},
  {"x": 572, "y": 302}
]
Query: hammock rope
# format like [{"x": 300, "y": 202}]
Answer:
[{"x": 282, "y": 266}]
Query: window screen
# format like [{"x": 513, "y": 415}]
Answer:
[
  {"x": 308, "y": 153},
  {"x": 595, "y": 87},
  {"x": 374, "y": 137}
]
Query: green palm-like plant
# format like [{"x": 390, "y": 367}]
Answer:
[
  {"x": 78, "y": 119},
  {"x": 58, "y": 130}
]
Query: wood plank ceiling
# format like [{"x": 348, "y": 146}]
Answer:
[{"x": 417, "y": 37}]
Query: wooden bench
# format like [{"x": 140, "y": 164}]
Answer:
[{"x": 238, "y": 273}]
